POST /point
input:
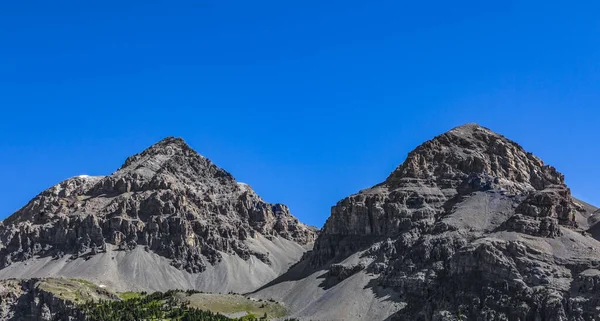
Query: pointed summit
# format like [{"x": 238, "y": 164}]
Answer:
[
  {"x": 468, "y": 126},
  {"x": 165, "y": 148},
  {"x": 171, "y": 140},
  {"x": 171, "y": 206},
  {"x": 168, "y": 164}
]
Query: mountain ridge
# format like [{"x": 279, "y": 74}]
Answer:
[
  {"x": 167, "y": 199},
  {"x": 470, "y": 226}
]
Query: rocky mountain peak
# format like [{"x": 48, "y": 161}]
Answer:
[
  {"x": 162, "y": 150},
  {"x": 469, "y": 227},
  {"x": 168, "y": 198},
  {"x": 470, "y": 149},
  {"x": 465, "y": 163},
  {"x": 168, "y": 164}
]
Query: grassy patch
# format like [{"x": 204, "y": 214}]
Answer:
[
  {"x": 129, "y": 295},
  {"x": 75, "y": 290},
  {"x": 235, "y": 303}
]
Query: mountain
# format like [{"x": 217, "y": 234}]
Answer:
[
  {"x": 470, "y": 227},
  {"x": 168, "y": 218}
]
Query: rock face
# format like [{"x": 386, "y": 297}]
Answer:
[
  {"x": 47, "y": 299},
  {"x": 24, "y": 300},
  {"x": 469, "y": 227},
  {"x": 168, "y": 200},
  {"x": 442, "y": 172}
]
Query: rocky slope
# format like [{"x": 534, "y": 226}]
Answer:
[
  {"x": 167, "y": 209},
  {"x": 469, "y": 227},
  {"x": 47, "y": 299},
  {"x": 589, "y": 215}
]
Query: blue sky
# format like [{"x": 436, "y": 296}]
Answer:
[{"x": 307, "y": 101}]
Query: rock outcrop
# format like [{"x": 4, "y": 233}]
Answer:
[
  {"x": 440, "y": 174},
  {"x": 469, "y": 227},
  {"x": 47, "y": 299},
  {"x": 168, "y": 199}
]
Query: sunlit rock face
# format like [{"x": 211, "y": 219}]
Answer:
[
  {"x": 168, "y": 199},
  {"x": 470, "y": 227}
]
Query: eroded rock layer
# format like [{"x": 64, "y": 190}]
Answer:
[
  {"x": 469, "y": 227},
  {"x": 168, "y": 199}
]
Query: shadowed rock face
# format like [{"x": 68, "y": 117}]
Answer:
[
  {"x": 169, "y": 199},
  {"x": 469, "y": 227}
]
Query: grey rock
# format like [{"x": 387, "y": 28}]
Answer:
[
  {"x": 25, "y": 300},
  {"x": 342, "y": 272},
  {"x": 470, "y": 227},
  {"x": 168, "y": 198},
  {"x": 43, "y": 299}
]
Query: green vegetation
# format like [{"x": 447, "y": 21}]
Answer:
[
  {"x": 170, "y": 305},
  {"x": 130, "y": 295},
  {"x": 97, "y": 303},
  {"x": 234, "y": 304},
  {"x": 155, "y": 306}
]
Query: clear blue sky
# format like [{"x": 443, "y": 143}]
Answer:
[{"x": 307, "y": 101}]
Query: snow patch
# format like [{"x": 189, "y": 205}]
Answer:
[
  {"x": 244, "y": 186},
  {"x": 87, "y": 177}
]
